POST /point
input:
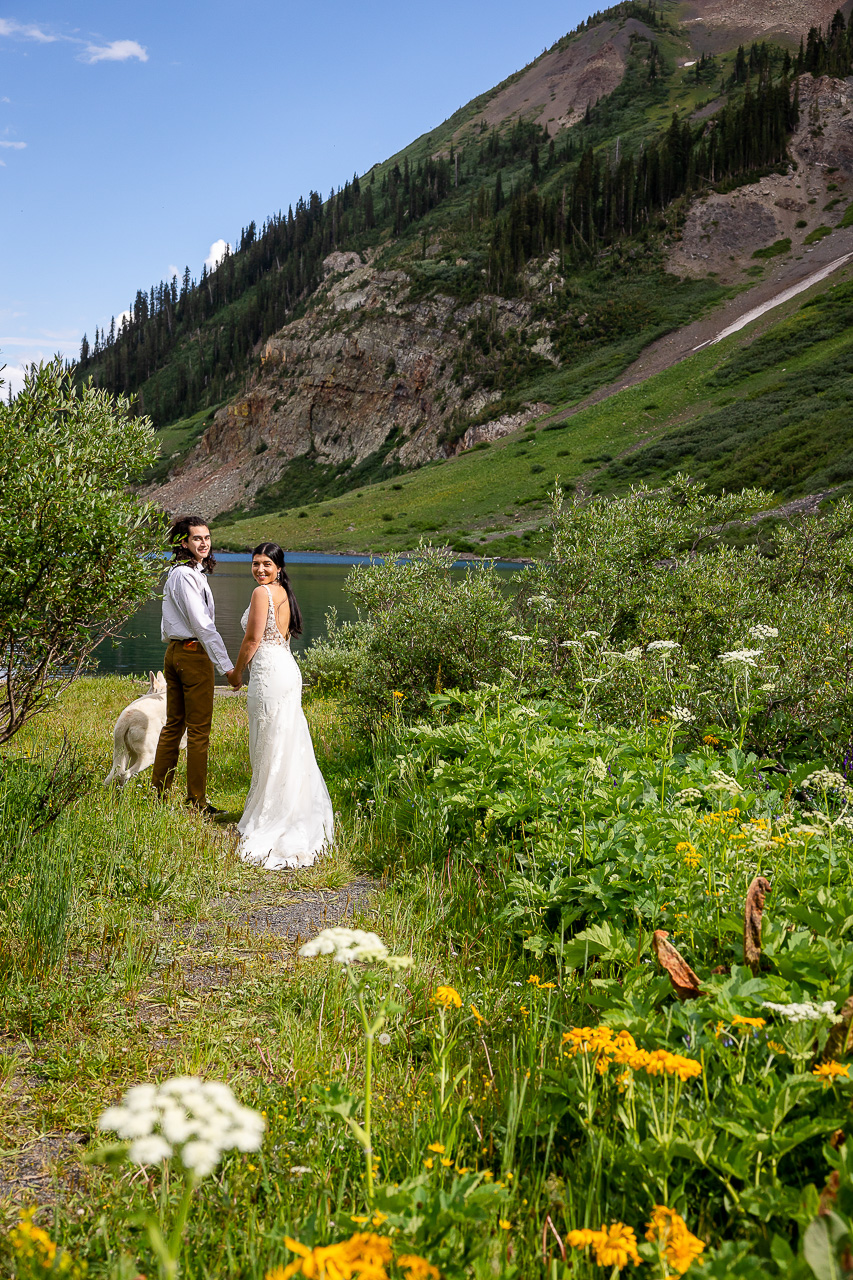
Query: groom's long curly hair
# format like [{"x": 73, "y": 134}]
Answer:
[
  {"x": 179, "y": 532},
  {"x": 275, "y": 553}
]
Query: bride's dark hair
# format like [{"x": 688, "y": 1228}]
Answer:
[{"x": 275, "y": 553}]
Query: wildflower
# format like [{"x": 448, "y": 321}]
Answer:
[
  {"x": 825, "y": 780},
  {"x": 38, "y": 1252},
  {"x": 429, "y": 1162},
  {"x": 740, "y": 657},
  {"x": 662, "y": 646},
  {"x": 804, "y": 1012},
  {"x": 632, "y": 655},
  {"x": 777, "y": 1048},
  {"x": 447, "y": 997},
  {"x": 384, "y": 1038},
  {"x": 438, "y": 1147},
  {"x": 416, "y": 1268},
  {"x": 682, "y": 714},
  {"x": 689, "y": 795},
  {"x": 591, "y": 635},
  {"x": 710, "y": 740},
  {"x": 477, "y": 1014},
  {"x": 196, "y": 1119},
  {"x": 828, "y": 1071},
  {"x": 504, "y": 1224},
  {"x": 613, "y": 1246},
  {"x": 762, "y": 632},
  {"x": 533, "y": 980},
  {"x": 347, "y": 945},
  {"x": 738, "y": 1021},
  {"x": 446, "y": 1161},
  {"x": 365, "y": 1255},
  {"x": 520, "y": 639},
  {"x": 668, "y": 1230}
]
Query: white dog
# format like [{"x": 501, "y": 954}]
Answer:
[{"x": 137, "y": 731}]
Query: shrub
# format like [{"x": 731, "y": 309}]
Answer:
[
  {"x": 78, "y": 553},
  {"x": 422, "y": 628},
  {"x": 652, "y": 567}
]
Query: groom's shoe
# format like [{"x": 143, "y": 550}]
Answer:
[{"x": 206, "y": 810}]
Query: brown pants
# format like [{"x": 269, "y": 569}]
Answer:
[{"x": 189, "y": 705}]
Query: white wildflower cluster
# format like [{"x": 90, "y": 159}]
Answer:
[
  {"x": 570, "y": 644},
  {"x": 194, "y": 1119},
  {"x": 545, "y": 601},
  {"x": 825, "y": 780},
  {"x": 724, "y": 781},
  {"x": 762, "y": 632},
  {"x": 632, "y": 655},
  {"x": 845, "y": 822},
  {"x": 689, "y": 795},
  {"x": 662, "y": 646},
  {"x": 347, "y": 945},
  {"x": 740, "y": 657},
  {"x": 682, "y": 714},
  {"x": 520, "y": 639},
  {"x": 803, "y": 831},
  {"x": 805, "y": 1012}
]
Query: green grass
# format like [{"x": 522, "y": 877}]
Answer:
[
  {"x": 775, "y": 250},
  {"x": 177, "y": 440}
]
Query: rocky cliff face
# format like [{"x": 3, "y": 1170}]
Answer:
[
  {"x": 714, "y": 25},
  {"x": 366, "y": 370}
]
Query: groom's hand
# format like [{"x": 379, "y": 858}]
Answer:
[{"x": 234, "y": 679}]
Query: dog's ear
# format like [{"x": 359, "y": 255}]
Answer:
[{"x": 152, "y": 680}]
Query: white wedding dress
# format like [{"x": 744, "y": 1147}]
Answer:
[{"x": 288, "y": 819}]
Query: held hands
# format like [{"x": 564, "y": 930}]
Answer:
[{"x": 234, "y": 678}]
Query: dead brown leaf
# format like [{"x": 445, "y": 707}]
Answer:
[
  {"x": 755, "y": 895},
  {"x": 684, "y": 981}
]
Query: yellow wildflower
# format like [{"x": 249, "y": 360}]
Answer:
[
  {"x": 447, "y": 997},
  {"x": 477, "y": 1014},
  {"x": 668, "y": 1230},
  {"x": 504, "y": 1224},
  {"x": 416, "y": 1268},
  {"x": 613, "y": 1246},
  {"x": 365, "y": 1255},
  {"x": 398, "y": 694},
  {"x": 828, "y": 1071},
  {"x": 533, "y": 980},
  {"x": 429, "y": 1162},
  {"x": 438, "y": 1147},
  {"x": 710, "y": 740},
  {"x": 738, "y": 1021},
  {"x": 446, "y": 1161}
]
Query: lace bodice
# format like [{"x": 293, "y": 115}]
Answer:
[{"x": 271, "y": 635}]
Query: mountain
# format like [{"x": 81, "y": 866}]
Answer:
[{"x": 647, "y": 170}]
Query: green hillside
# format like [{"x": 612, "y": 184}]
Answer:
[{"x": 748, "y": 410}]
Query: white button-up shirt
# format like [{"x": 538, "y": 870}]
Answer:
[{"x": 188, "y": 612}]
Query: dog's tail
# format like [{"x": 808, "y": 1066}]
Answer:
[{"x": 121, "y": 755}]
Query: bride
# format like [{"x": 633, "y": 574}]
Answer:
[{"x": 288, "y": 816}]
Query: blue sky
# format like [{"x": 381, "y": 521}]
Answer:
[{"x": 134, "y": 137}]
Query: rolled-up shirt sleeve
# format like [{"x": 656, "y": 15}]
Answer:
[{"x": 189, "y": 590}]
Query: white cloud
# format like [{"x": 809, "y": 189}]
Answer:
[
  {"x": 173, "y": 271},
  {"x": 121, "y": 317},
  {"x": 15, "y": 146},
  {"x": 25, "y": 31},
  {"x": 115, "y": 51},
  {"x": 217, "y": 252},
  {"x": 5, "y": 99}
]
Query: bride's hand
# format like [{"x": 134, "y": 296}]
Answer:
[{"x": 234, "y": 678}]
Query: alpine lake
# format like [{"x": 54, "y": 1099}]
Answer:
[{"x": 317, "y": 580}]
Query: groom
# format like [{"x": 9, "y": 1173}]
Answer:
[{"x": 189, "y": 629}]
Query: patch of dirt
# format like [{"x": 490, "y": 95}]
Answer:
[
  {"x": 556, "y": 90},
  {"x": 302, "y": 913},
  {"x": 42, "y": 1171},
  {"x": 718, "y": 25}
]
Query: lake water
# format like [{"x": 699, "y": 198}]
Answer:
[{"x": 317, "y": 580}]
